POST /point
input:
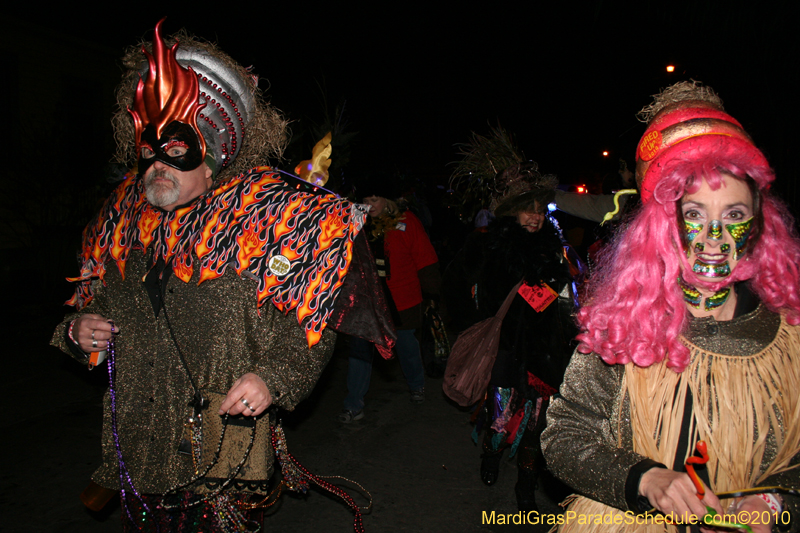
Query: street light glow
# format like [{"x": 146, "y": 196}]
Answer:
[
  {"x": 670, "y": 68},
  {"x": 605, "y": 153}
]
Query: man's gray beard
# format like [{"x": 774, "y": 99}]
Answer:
[{"x": 161, "y": 194}]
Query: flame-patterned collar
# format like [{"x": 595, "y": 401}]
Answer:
[{"x": 297, "y": 245}]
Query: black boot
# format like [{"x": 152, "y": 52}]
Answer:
[
  {"x": 525, "y": 489},
  {"x": 490, "y": 467}
]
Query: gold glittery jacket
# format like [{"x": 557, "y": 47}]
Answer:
[
  {"x": 230, "y": 310},
  {"x": 222, "y": 335},
  {"x": 607, "y": 421}
]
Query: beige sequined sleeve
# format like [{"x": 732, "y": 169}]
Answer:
[{"x": 583, "y": 430}]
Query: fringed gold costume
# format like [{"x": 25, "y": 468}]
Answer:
[{"x": 738, "y": 407}]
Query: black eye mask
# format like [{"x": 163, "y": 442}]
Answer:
[{"x": 175, "y": 133}]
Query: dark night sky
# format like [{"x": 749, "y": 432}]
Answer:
[{"x": 566, "y": 81}]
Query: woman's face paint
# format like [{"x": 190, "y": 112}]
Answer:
[
  {"x": 708, "y": 211},
  {"x": 692, "y": 230},
  {"x": 693, "y": 297},
  {"x": 715, "y": 230},
  {"x": 711, "y": 271},
  {"x": 740, "y": 232},
  {"x": 690, "y": 295},
  {"x": 717, "y": 299}
]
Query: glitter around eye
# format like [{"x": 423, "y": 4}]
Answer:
[
  {"x": 692, "y": 229},
  {"x": 740, "y": 232}
]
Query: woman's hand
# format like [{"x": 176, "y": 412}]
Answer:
[
  {"x": 249, "y": 396},
  {"x": 751, "y": 511},
  {"x": 91, "y": 332},
  {"x": 673, "y": 492}
]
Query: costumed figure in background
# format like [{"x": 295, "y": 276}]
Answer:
[
  {"x": 409, "y": 269},
  {"x": 521, "y": 244},
  {"x": 690, "y": 335},
  {"x": 220, "y": 281}
]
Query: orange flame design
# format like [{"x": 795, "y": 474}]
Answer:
[
  {"x": 181, "y": 269},
  {"x": 282, "y": 228},
  {"x": 270, "y": 282},
  {"x": 117, "y": 250},
  {"x": 209, "y": 231},
  {"x": 313, "y": 337},
  {"x": 148, "y": 222},
  {"x": 248, "y": 244},
  {"x": 314, "y": 233},
  {"x": 248, "y": 200},
  {"x": 169, "y": 94},
  {"x": 174, "y": 236},
  {"x": 332, "y": 228}
]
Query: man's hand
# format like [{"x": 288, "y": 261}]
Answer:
[
  {"x": 674, "y": 492},
  {"x": 92, "y": 332},
  {"x": 249, "y": 396}
]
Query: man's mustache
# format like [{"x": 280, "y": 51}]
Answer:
[{"x": 160, "y": 173}]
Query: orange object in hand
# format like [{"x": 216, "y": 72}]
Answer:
[{"x": 702, "y": 448}]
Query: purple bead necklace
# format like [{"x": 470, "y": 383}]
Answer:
[{"x": 124, "y": 475}]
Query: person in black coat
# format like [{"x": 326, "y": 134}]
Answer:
[{"x": 522, "y": 243}]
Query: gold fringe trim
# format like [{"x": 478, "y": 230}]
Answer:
[
  {"x": 584, "y": 515},
  {"x": 737, "y": 405}
]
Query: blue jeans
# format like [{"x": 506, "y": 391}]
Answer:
[{"x": 359, "y": 368}]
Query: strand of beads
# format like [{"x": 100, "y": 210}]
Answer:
[
  {"x": 222, "y": 486},
  {"x": 229, "y": 516},
  {"x": 196, "y": 431},
  {"x": 282, "y": 451},
  {"x": 124, "y": 474}
]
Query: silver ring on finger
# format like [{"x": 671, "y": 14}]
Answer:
[
  {"x": 94, "y": 344},
  {"x": 247, "y": 404},
  {"x": 93, "y": 334}
]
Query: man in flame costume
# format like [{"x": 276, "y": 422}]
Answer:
[
  {"x": 690, "y": 335},
  {"x": 206, "y": 276}
]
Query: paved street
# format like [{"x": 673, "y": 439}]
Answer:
[{"x": 417, "y": 460}]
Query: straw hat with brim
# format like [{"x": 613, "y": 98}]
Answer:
[{"x": 520, "y": 187}]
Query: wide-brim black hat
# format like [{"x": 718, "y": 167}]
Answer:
[{"x": 520, "y": 187}]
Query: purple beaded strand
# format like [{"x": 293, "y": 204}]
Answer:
[{"x": 123, "y": 469}]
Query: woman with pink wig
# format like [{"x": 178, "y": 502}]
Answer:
[{"x": 690, "y": 334}]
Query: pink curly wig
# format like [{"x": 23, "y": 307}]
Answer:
[{"x": 636, "y": 311}]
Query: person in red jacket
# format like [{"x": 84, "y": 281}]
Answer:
[{"x": 409, "y": 267}]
